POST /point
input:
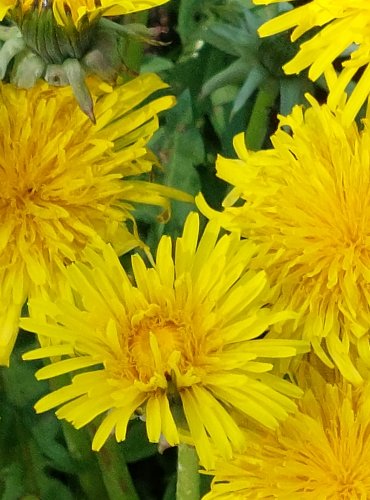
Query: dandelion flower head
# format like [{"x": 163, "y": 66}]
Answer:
[
  {"x": 344, "y": 32},
  {"x": 64, "y": 182},
  {"x": 320, "y": 453},
  {"x": 306, "y": 204},
  {"x": 180, "y": 348}
]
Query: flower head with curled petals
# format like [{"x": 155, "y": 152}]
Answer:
[
  {"x": 66, "y": 182},
  {"x": 321, "y": 452},
  {"x": 181, "y": 347},
  {"x": 306, "y": 204},
  {"x": 344, "y": 30}
]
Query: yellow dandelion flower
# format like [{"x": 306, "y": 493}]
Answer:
[
  {"x": 5, "y": 6},
  {"x": 344, "y": 30},
  {"x": 320, "y": 453},
  {"x": 64, "y": 182},
  {"x": 307, "y": 206},
  {"x": 64, "y": 41},
  {"x": 180, "y": 348},
  {"x": 75, "y": 10}
]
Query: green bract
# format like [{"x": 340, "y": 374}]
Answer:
[{"x": 39, "y": 47}]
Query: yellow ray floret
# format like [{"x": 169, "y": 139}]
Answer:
[
  {"x": 322, "y": 452},
  {"x": 5, "y": 6},
  {"x": 75, "y": 10},
  {"x": 344, "y": 26},
  {"x": 306, "y": 204},
  {"x": 180, "y": 347},
  {"x": 64, "y": 182}
]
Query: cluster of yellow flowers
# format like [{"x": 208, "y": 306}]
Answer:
[
  {"x": 305, "y": 204},
  {"x": 252, "y": 344}
]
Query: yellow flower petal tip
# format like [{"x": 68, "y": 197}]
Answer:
[
  {"x": 66, "y": 11},
  {"x": 5, "y": 6},
  {"x": 338, "y": 27}
]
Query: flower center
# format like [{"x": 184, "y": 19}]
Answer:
[
  {"x": 17, "y": 194},
  {"x": 157, "y": 344}
]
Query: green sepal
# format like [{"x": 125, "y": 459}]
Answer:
[{"x": 54, "y": 43}]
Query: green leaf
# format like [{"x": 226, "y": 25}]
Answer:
[
  {"x": 231, "y": 39},
  {"x": 292, "y": 92},
  {"x": 12, "y": 479},
  {"x": 187, "y": 25},
  {"x": 181, "y": 142},
  {"x": 254, "y": 79},
  {"x": 155, "y": 64},
  {"x": 236, "y": 72},
  {"x": 136, "y": 446}
]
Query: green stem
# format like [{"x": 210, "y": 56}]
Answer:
[
  {"x": 101, "y": 475},
  {"x": 30, "y": 456},
  {"x": 89, "y": 474},
  {"x": 79, "y": 447},
  {"x": 187, "y": 487},
  {"x": 115, "y": 473},
  {"x": 259, "y": 119}
]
